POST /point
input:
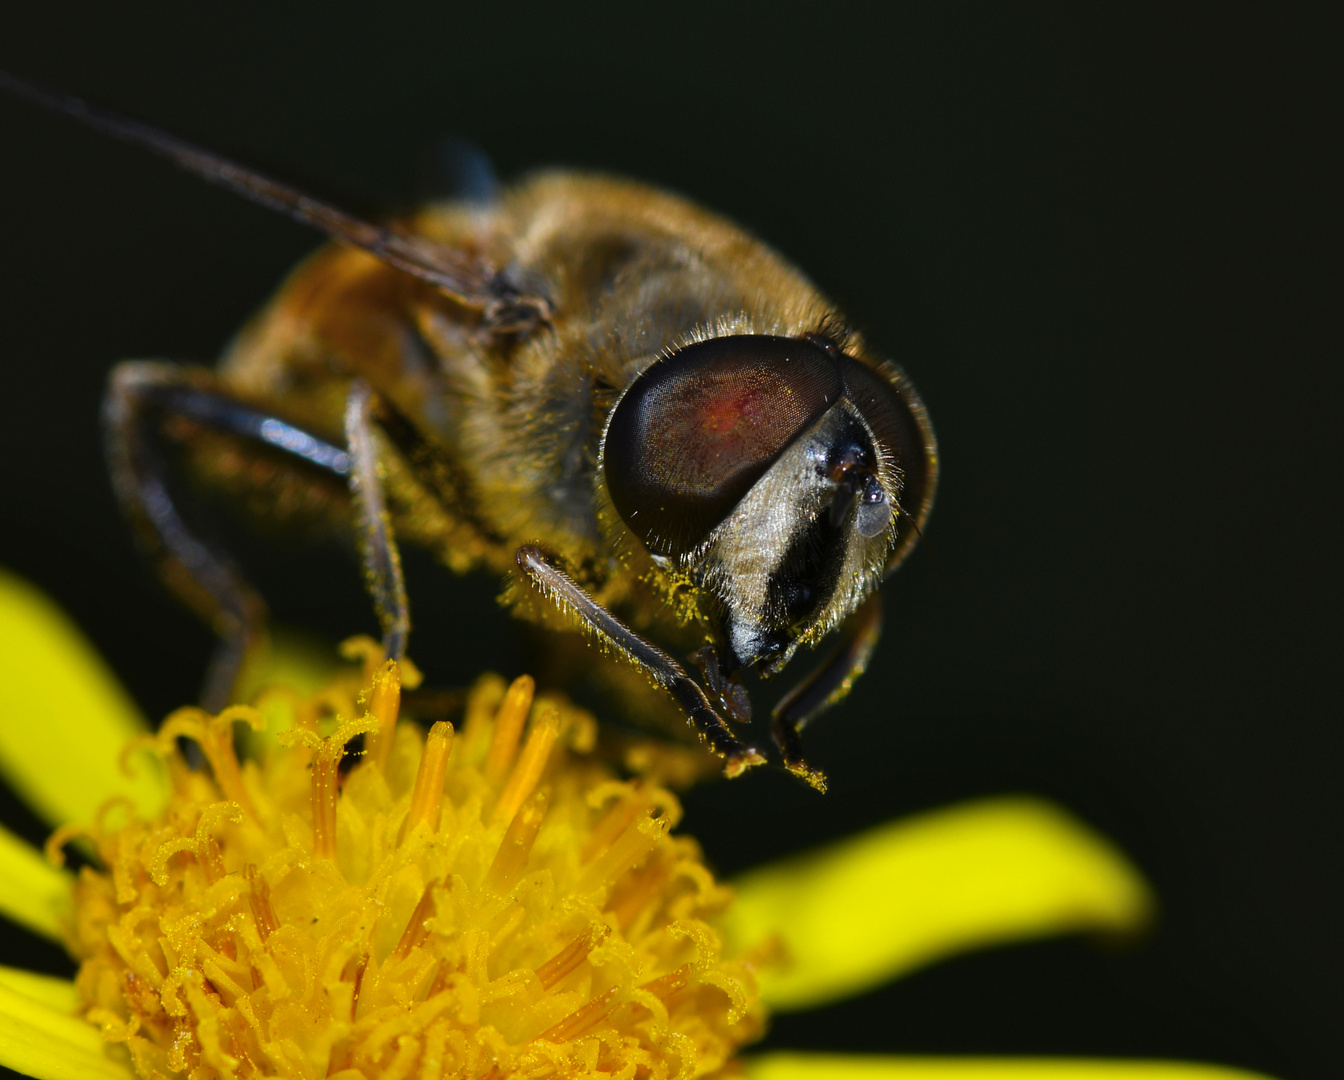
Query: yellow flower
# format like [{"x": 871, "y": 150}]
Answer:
[{"x": 489, "y": 903}]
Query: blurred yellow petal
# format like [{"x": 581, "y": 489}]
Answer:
[
  {"x": 33, "y": 893},
  {"x": 798, "y": 1066},
  {"x": 300, "y": 662},
  {"x": 64, "y": 718},
  {"x": 50, "y": 1044},
  {"x": 863, "y": 911},
  {"x": 58, "y": 994}
]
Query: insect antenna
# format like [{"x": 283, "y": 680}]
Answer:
[{"x": 469, "y": 280}]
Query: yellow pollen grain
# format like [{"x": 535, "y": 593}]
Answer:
[
  {"x": 509, "y": 722},
  {"x": 428, "y": 792}
]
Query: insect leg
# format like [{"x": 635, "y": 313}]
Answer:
[
  {"x": 441, "y": 477},
  {"x": 373, "y": 528},
  {"x": 827, "y": 684},
  {"x": 656, "y": 664},
  {"x": 198, "y": 573}
]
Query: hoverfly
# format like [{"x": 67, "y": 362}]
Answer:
[{"x": 645, "y": 419}]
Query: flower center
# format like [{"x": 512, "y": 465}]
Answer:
[{"x": 494, "y": 903}]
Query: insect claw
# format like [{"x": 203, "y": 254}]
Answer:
[
  {"x": 814, "y": 777},
  {"x": 740, "y": 762}
]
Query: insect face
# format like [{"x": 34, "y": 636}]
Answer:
[{"x": 764, "y": 469}]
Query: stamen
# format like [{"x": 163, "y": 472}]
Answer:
[
  {"x": 631, "y": 846},
  {"x": 478, "y": 724},
  {"x": 324, "y": 803},
  {"x": 384, "y": 703},
  {"x": 358, "y": 983},
  {"x": 428, "y": 793},
  {"x": 211, "y": 859},
  {"x": 54, "y": 849},
  {"x": 508, "y": 727},
  {"x": 531, "y": 764},
  {"x": 214, "y": 735},
  {"x": 657, "y": 994},
  {"x": 259, "y": 899},
  {"x": 615, "y": 821},
  {"x": 416, "y": 931},
  {"x": 198, "y": 845},
  {"x": 638, "y": 896},
  {"x": 327, "y": 754},
  {"x": 223, "y": 761},
  {"x": 362, "y": 649},
  {"x": 583, "y": 1019},
  {"x": 516, "y": 845},
  {"x": 569, "y": 958},
  {"x": 665, "y": 986}
]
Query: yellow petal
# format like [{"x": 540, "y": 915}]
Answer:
[
  {"x": 33, "y": 893},
  {"x": 64, "y": 718},
  {"x": 796, "y": 1066},
  {"x": 59, "y": 994},
  {"x": 50, "y": 1044},
  {"x": 859, "y": 913}
]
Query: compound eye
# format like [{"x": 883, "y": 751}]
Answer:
[
  {"x": 896, "y": 418},
  {"x": 695, "y": 431}
]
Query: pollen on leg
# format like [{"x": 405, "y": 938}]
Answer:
[{"x": 496, "y": 905}]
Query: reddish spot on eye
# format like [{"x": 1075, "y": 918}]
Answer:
[
  {"x": 696, "y": 430},
  {"x": 716, "y": 432},
  {"x": 726, "y": 413},
  {"x": 731, "y": 410}
]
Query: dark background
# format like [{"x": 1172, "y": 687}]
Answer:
[{"x": 1105, "y": 245}]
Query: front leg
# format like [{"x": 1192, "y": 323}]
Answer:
[
  {"x": 825, "y": 685},
  {"x": 144, "y": 403},
  {"x": 661, "y": 669},
  {"x": 143, "y": 396},
  {"x": 373, "y": 528}
]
